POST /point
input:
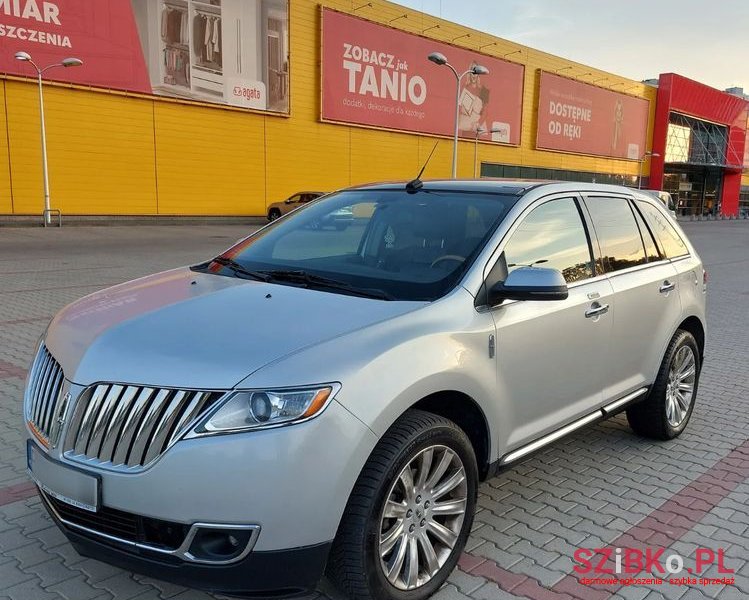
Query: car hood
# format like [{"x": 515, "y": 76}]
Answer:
[{"x": 196, "y": 330}]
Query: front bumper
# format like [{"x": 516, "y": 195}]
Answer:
[{"x": 274, "y": 574}]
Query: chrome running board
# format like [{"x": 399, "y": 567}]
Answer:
[{"x": 567, "y": 429}]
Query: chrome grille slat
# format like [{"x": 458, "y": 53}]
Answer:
[
  {"x": 131, "y": 425},
  {"x": 38, "y": 391},
  {"x": 55, "y": 383},
  {"x": 43, "y": 395},
  {"x": 143, "y": 437},
  {"x": 190, "y": 413},
  {"x": 34, "y": 383},
  {"x": 162, "y": 429},
  {"x": 109, "y": 403},
  {"x": 87, "y": 424},
  {"x": 127, "y": 427},
  {"x": 116, "y": 422}
]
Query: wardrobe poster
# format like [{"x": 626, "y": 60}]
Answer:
[
  {"x": 224, "y": 51},
  {"x": 379, "y": 76},
  {"x": 585, "y": 119}
]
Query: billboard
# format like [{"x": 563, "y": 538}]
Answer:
[
  {"x": 586, "y": 119},
  {"x": 378, "y": 76},
  {"x": 223, "y": 51}
]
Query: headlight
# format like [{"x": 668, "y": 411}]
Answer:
[{"x": 257, "y": 409}]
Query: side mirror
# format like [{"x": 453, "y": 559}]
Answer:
[
  {"x": 289, "y": 201},
  {"x": 530, "y": 283}
]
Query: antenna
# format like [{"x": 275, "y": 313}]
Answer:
[{"x": 416, "y": 184}]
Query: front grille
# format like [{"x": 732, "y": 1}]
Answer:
[
  {"x": 124, "y": 526},
  {"x": 130, "y": 426},
  {"x": 43, "y": 396}
]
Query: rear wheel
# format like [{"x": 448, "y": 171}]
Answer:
[
  {"x": 664, "y": 414},
  {"x": 410, "y": 513}
]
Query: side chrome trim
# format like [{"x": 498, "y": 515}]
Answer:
[
  {"x": 550, "y": 437},
  {"x": 560, "y": 433},
  {"x": 609, "y": 408},
  {"x": 183, "y": 551}
]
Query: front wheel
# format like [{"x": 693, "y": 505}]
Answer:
[
  {"x": 410, "y": 513},
  {"x": 664, "y": 414},
  {"x": 274, "y": 214}
]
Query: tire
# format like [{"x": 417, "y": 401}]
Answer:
[
  {"x": 664, "y": 414},
  {"x": 274, "y": 214},
  {"x": 341, "y": 226},
  {"x": 355, "y": 565}
]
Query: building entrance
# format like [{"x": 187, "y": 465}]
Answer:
[{"x": 696, "y": 190}]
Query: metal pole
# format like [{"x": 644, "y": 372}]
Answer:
[
  {"x": 475, "y": 152},
  {"x": 457, "y": 116},
  {"x": 45, "y": 168},
  {"x": 639, "y": 177}
]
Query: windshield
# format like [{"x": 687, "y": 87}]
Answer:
[{"x": 385, "y": 243}]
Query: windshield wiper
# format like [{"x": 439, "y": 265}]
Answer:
[
  {"x": 317, "y": 281},
  {"x": 241, "y": 271}
]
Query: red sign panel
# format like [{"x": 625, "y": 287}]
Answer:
[
  {"x": 203, "y": 50},
  {"x": 585, "y": 119},
  {"x": 378, "y": 76}
]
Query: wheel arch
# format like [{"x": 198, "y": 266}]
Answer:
[
  {"x": 466, "y": 413},
  {"x": 694, "y": 326}
]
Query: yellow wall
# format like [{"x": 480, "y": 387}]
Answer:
[{"x": 112, "y": 153}]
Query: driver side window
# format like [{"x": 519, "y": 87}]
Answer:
[{"x": 551, "y": 236}]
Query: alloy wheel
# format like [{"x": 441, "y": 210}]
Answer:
[
  {"x": 422, "y": 517},
  {"x": 680, "y": 386}
]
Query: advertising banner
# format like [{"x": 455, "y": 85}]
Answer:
[
  {"x": 585, "y": 119},
  {"x": 223, "y": 51},
  {"x": 378, "y": 76}
]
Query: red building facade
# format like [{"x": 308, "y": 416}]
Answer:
[{"x": 699, "y": 140}]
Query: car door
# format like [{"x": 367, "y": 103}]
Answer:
[
  {"x": 646, "y": 293},
  {"x": 550, "y": 355}
]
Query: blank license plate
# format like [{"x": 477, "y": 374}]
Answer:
[{"x": 68, "y": 485}]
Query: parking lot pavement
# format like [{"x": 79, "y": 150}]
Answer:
[{"x": 600, "y": 488}]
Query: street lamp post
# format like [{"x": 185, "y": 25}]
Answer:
[
  {"x": 68, "y": 62},
  {"x": 440, "y": 59},
  {"x": 479, "y": 131},
  {"x": 642, "y": 160}
]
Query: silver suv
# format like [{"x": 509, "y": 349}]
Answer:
[{"x": 326, "y": 401}]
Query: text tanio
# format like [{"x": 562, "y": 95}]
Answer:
[{"x": 381, "y": 75}]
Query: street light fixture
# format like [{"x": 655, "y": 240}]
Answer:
[
  {"x": 642, "y": 160},
  {"x": 479, "y": 132},
  {"x": 440, "y": 59},
  {"x": 67, "y": 62}
]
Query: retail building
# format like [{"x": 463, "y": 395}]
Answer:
[{"x": 221, "y": 107}]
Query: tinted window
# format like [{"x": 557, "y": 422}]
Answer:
[
  {"x": 618, "y": 235},
  {"x": 651, "y": 249},
  {"x": 411, "y": 246},
  {"x": 551, "y": 236},
  {"x": 668, "y": 238}
]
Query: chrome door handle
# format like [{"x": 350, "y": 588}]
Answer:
[
  {"x": 666, "y": 287},
  {"x": 596, "y": 310}
]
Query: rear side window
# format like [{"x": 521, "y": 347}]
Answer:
[
  {"x": 651, "y": 249},
  {"x": 551, "y": 236},
  {"x": 618, "y": 234},
  {"x": 668, "y": 238}
]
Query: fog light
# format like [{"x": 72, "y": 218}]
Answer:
[{"x": 219, "y": 545}]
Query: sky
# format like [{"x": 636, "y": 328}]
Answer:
[{"x": 704, "y": 40}]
